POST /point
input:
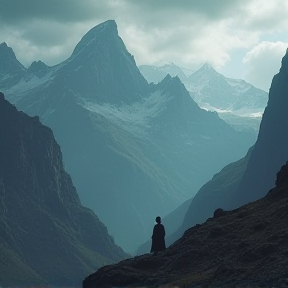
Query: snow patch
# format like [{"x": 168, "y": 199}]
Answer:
[
  {"x": 135, "y": 117},
  {"x": 24, "y": 85}
]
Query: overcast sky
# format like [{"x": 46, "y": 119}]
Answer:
[{"x": 240, "y": 38}]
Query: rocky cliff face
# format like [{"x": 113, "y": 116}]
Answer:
[
  {"x": 247, "y": 179},
  {"x": 246, "y": 247},
  {"x": 271, "y": 148},
  {"x": 46, "y": 235}
]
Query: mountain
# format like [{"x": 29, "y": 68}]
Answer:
[
  {"x": 246, "y": 179},
  {"x": 245, "y": 247},
  {"x": 210, "y": 88},
  {"x": 46, "y": 235},
  {"x": 271, "y": 146},
  {"x": 237, "y": 102},
  {"x": 157, "y": 74},
  {"x": 134, "y": 150},
  {"x": 11, "y": 70}
]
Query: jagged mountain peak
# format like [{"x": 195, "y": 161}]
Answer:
[
  {"x": 3, "y": 45},
  {"x": 169, "y": 82},
  {"x": 205, "y": 73},
  {"x": 107, "y": 29},
  {"x": 99, "y": 57},
  {"x": 9, "y": 63},
  {"x": 11, "y": 70},
  {"x": 38, "y": 66},
  {"x": 207, "y": 68},
  {"x": 6, "y": 51}
]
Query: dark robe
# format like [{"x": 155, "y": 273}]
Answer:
[{"x": 158, "y": 240}]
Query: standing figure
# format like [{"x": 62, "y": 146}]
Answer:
[{"x": 158, "y": 237}]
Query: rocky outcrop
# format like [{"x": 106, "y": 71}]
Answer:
[
  {"x": 246, "y": 247},
  {"x": 46, "y": 235}
]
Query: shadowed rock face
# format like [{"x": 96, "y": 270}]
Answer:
[
  {"x": 249, "y": 178},
  {"x": 248, "y": 245},
  {"x": 271, "y": 147},
  {"x": 46, "y": 235}
]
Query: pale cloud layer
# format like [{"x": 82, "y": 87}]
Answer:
[
  {"x": 186, "y": 32},
  {"x": 263, "y": 61}
]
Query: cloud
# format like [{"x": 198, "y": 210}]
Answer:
[
  {"x": 14, "y": 12},
  {"x": 186, "y": 32},
  {"x": 207, "y": 8},
  {"x": 263, "y": 62},
  {"x": 269, "y": 17}
]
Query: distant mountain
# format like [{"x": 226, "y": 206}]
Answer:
[
  {"x": 46, "y": 235},
  {"x": 134, "y": 150},
  {"x": 246, "y": 180},
  {"x": 157, "y": 74},
  {"x": 11, "y": 70},
  {"x": 245, "y": 247},
  {"x": 237, "y": 102},
  {"x": 211, "y": 89}
]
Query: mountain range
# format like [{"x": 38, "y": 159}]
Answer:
[
  {"x": 46, "y": 236},
  {"x": 134, "y": 150},
  {"x": 237, "y": 102}
]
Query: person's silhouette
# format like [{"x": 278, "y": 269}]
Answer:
[{"x": 158, "y": 237}]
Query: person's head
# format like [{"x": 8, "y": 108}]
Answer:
[{"x": 158, "y": 219}]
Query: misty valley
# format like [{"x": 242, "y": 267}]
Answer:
[{"x": 94, "y": 148}]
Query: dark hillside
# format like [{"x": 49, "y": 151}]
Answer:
[
  {"x": 46, "y": 235},
  {"x": 246, "y": 247}
]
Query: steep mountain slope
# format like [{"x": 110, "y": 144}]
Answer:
[
  {"x": 245, "y": 180},
  {"x": 271, "y": 147},
  {"x": 11, "y": 70},
  {"x": 246, "y": 247},
  {"x": 133, "y": 150},
  {"x": 46, "y": 235}
]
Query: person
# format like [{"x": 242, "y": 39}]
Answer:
[{"x": 158, "y": 237}]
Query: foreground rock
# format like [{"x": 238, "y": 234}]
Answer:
[{"x": 246, "y": 246}]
